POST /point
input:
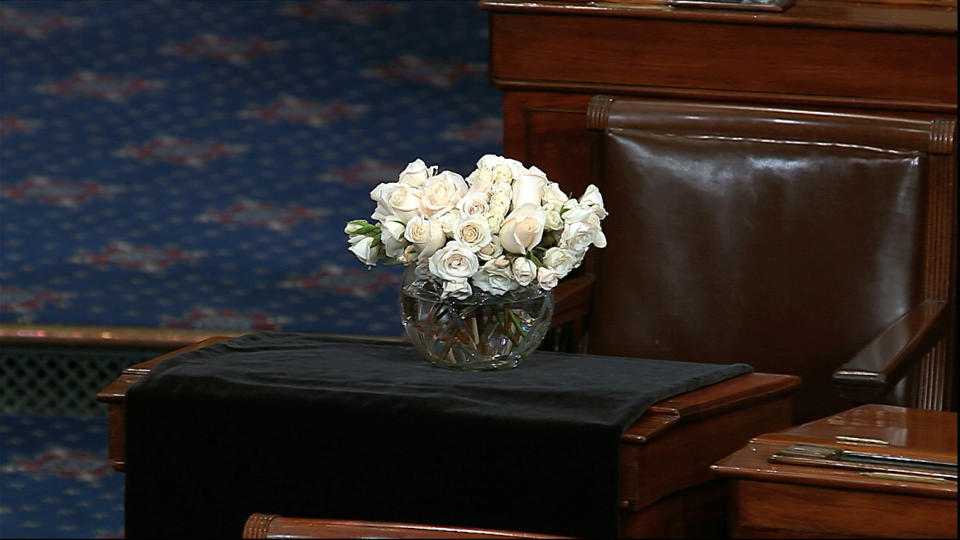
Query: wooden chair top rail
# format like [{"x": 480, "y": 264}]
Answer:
[{"x": 935, "y": 137}]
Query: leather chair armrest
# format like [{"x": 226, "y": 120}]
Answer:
[{"x": 880, "y": 364}]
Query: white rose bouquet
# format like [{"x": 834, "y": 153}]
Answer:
[
  {"x": 502, "y": 228},
  {"x": 484, "y": 251}
]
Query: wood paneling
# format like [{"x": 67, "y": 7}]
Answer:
[{"x": 551, "y": 57}]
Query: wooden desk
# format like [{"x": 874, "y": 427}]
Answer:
[
  {"x": 775, "y": 500},
  {"x": 666, "y": 488},
  {"x": 550, "y": 57}
]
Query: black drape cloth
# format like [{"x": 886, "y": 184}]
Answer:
[{"x": 303, "y": 426}]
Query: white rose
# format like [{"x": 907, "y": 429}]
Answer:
[
  {"x": 504, "y": 169},
  {"x": 523, "y": 229},
  {"x": 482, "y": 178},
  {"x": 553, "y": 195},
  {"x": 562, "y": 260},
  {"x": 363, "y": 248},
  {"x": 536, "y": 171},
  {"x": 499, "y": 204},
  {"x": 528, "y": 189},
  {"x": 572, "y": 211},
  {"x": 504, "y": 188},
  {"x": 392, "y": 236},
  {"x": 495, "y": 277},
  {"x": 454, "y": 261},
  {"x": 473, "y": 204},
  {"x": 592, "y": 200},
  {"x": 353, "y": 227},
  {"x": 441, "y": 193},
  {"x": 554, "y": 221},
  {"x": 504, "y": 174},
  {"x": 578, "y": 236},
  {"x": 416, "y": 173},
  {"x": 409, "y": 255},
  {"x": 488, "y": 161},
  {"x": 473, "y": 231},
  {"x": 457, "y": 288},
  {"x": 480, "y": 181},
  {"x": 494, "y": 222},
  {"x": 524, "y": 271},
  {"x": 395, "y": 200},
  {"x": 448, "y": 220},
  {"x": 547, "y": 278},
  {"x": 425, "y": 234},
  {"x": 502, "y": 262},
  {"x": 492, "y": 250}
]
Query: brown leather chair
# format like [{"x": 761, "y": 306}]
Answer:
[
  {"x": 275, "y": 526},
  {"x": 811, "y": 243}
]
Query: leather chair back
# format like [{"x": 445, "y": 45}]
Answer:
[{"x": 786, "y": 239}]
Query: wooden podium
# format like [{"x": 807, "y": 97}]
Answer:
[
  {"x": 666, "y": 486},
  {"x": 778, "y": 493}
]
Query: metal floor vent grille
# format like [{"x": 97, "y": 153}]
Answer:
[{"x": 42, "y": 380}]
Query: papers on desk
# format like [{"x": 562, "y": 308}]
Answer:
[
  {"x": 871, "y": 464},
  {"x": 750, "y": 5}
]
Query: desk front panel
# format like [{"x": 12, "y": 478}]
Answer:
[
  {"x": 772, "y": 510},
  {"x": 633, "y": 54}
]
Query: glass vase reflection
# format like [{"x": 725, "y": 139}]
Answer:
[{"x": 481, "y": 333}]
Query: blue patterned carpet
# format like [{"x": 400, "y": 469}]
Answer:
[
  {"x": 191, "y": 164},
  {"x": 55, "y": 481}
]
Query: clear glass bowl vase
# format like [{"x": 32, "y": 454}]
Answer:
[{"x": 481, "y": 333}]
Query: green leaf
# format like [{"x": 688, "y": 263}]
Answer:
[
  {"x": 534, "y": 258},
  {"x": 517, "y": 323}
]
